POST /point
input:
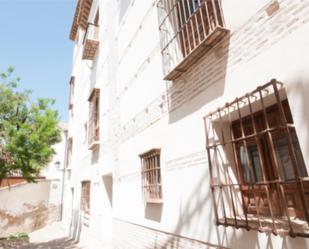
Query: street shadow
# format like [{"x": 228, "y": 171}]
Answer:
[{"x": 63, "y": 243}]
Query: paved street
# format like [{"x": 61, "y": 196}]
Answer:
[{"x": 51, "y": 237}]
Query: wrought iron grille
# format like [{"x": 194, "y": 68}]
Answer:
[
  {"x": 186, "y": 25},
  {"x": 151, "y": 176},
  {"x": 258, "y": 176}
]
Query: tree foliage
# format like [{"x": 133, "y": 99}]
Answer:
[{"x": 28, "y": 130}]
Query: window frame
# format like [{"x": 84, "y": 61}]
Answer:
[
  {"x": 94, "y": 119},
  {"x": 85, "y": 196},
  {"x": 151, "y": 177},
  {"x": 270, "y": 203}
]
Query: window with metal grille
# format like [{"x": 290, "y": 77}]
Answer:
[
  {"x": 94, "y": 118},
  {"x": 188, "y": 27},
  {"x": 151, "y": 176},
  {"x": 258, "y": 176},
  {"x": 72, "y": 85},
  {"x": 85, "y": 196}
]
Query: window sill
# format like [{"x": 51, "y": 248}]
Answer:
[
  {"x": 94, "y": 145},
  {"x": 299, "y": 226},
  {"x": 154, "y": 201}
]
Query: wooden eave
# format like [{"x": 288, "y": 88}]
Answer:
[{"x": 80, "y": 17}]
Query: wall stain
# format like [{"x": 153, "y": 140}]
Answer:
[{"x": 35, "y": 217}]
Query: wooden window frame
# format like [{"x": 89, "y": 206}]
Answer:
[
  {"x": 151, "y": 176},
  {"x": 270, "y": 202},
  {"x": 94, "y": 119}
]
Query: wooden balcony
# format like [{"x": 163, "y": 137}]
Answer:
[
  {"x": 189, "y": 28},
  {"x": 91, "y": 41}
]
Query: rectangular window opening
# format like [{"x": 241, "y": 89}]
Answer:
[
  {"x": 94, "y": 119},
  {"x": 151, "y": 176},
  {"x": 85, "y": 196},
  {"x": 260, "y": 180}
]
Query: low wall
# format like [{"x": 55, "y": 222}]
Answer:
[{"x": 27, "y": 207}]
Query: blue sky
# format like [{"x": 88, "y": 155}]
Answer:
[{"x": 34, "y": 40}]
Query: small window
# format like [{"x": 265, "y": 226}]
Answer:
[
  {"x": 69, "y": 152},
  {"x": 94, "y": 118},
  {"x": 85, "y": 196},
  {"x": 71, "y": 97},
  {"x": 97, "y": 18},
  {"x": 151, "y": 176},
  {"x": 259, "y": 179}
]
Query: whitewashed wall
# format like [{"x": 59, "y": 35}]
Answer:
[{"x": 140, "y": 111}]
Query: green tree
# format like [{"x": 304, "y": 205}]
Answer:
[{"x": 27, "y": 130}]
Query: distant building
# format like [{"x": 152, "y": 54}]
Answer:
[
  {"x": 54, "y": 170},
  {"x": 189, "y": 124}
]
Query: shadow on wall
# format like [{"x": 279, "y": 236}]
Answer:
[
  {"x": 75, "y": 225},
  {"x": 95, "y": 155},
  {"x": 192, "y": 90},
  {"x": 108, "y": 184},
  {"x": 123, "y": 6},
  {"x": 153, "y": 211},
  {"x": 191, "y": 221},
  {"x": 299, "y": 89}
]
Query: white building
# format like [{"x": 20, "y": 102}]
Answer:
[
  {"x": 188, "y": 124},
  {"x": 54, "y": 170}
]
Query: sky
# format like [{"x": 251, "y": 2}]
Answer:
[{"x": 34, "y": 39}]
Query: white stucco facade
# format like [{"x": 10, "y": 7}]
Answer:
[{"x": 140, "y": 111}]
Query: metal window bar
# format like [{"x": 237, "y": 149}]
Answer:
[
  {"x": 260, "y": 204},
  {"x": 188, "y": 22},
  {"x": 151, "y": 176}
]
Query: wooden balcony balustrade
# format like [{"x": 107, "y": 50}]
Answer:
[
  {"x": 91, "y": 41},
  {"x": 188, "y": 28}
]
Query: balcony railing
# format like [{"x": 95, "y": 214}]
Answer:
[
  {"x": 188, "y": 28},
  {"x": 91, "y": 41}
]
